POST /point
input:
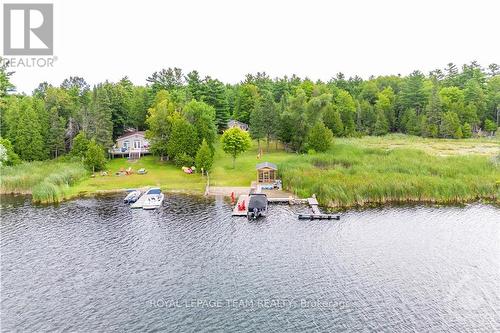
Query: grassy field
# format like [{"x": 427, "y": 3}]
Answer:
[
  {"x": 350, "y": 175},
  {"x": 48, "y": 181},
  {"x": 357, "y": 171},
  {"x": 438, "y": 147}
]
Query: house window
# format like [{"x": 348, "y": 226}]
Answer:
[
  {"x": 137, "y": 144},
  {"x": 126, "y": 144}
]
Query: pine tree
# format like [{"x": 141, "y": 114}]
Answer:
[
  {"x": 56, "y": 134},
  {"x": 183, "y": 138},
  {"x": 490, "y": 126},
  {"x": 101, "y": 122},
  {"x": 202, "y": 117},
  {"x": 29, "y": 143},
  {"x": 264, "y": 119},
  {"x": 215, "y": 96},
  {"x": 410, "y": 123},
  {"x": 204, "y": 157},
  {"x": 450, "y": 126},
  {"x": 80, "y": 145},
  {"x": 320, "y": 138},
  {"x": 94, "y": 157},
  {"x": 246, "y": 102},
  {"x": 413, "y": 94},
  {"x": 381, "y": 126},
  {"x": 466, "y": 130},
  {"x": 434, "y": 112}
]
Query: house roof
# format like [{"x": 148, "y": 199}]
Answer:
[
  {"x": 233, "y": 121},
  {"x": 266, "y": 165},
  {"x": 125, "y": 135}
]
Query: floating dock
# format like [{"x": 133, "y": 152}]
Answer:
[
  {"x": 314, "y": 205},
  {"x": 316, "y": 212},
  {"x": 319, "y": 217},
  {"x": 312, "y": 202},
  {"x": 242, "y": 198},
  {"x": 140, "y": 202}
]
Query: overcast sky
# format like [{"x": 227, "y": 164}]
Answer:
[{"x": 101, "y": 40}]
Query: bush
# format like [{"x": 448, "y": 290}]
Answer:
[
  {"x": 183, "y": 159},
  {"x": 320, "y": 138},
  {"x": 490, "y": 126},
  {"x": 204, "y": 157},
  {"x": 80, "y": 145},
  {"x": 94, "y": 157},
  {"x": 466, "y": 130},
  {"x": 7, "y": 154}
]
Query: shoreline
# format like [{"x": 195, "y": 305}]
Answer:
[{"x": 336, "y": 207}]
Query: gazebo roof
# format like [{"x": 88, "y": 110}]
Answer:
[{"x": 266, "y": 165}]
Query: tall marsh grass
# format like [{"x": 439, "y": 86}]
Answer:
[
  {"x": 349, "y": 176},
  {"x": 47, "y": 181}
]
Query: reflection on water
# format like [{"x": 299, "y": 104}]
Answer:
[{"x": 94, "y": 265}]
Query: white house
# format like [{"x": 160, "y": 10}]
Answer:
[{"x": 132, "y": 144}]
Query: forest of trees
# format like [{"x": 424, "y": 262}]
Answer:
[{"x": 180, "y": 111}]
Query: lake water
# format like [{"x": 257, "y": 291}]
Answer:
[{"x": 94, "y": 265}]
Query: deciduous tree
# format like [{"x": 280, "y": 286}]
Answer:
[{"x": 235, "y": 141}]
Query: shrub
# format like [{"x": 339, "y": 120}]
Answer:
[
  {"x": 7, "y": 154},
  {"x": 183, "y": 159},
  {"x": 94, "y": 157},
  {"x": 320, "y": 138},
  {"x": 204, "y": 157}
]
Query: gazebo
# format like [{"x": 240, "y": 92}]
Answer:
[{"x": 267, "y": 172}]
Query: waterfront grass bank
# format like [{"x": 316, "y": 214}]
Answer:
[{"x": 349, "y": 175}]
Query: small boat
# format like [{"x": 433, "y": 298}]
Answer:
[
  {"x": 132, "y": 196},
  {"x": 257, "y": 206},
  {"x": 153, "y": 198}
]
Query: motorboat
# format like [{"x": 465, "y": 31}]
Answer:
[
  {"x": 153, "y": 198},
  {"x": 132, "y": 196},
  {"x": 257, "y": 206}
]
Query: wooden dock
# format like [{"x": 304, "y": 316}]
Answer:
[
  {"x": 314, "y": 205},
  {"x": 316, "y": 212},
  {"x": 140, "y": 202},
  {"x": 242, "y": 198},
  {"x": 319, "y": 217}
]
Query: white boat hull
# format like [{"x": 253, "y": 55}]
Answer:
[{"x": 153, "y": 201}]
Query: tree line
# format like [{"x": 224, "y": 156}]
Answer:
[{"x": 182, "y": 111}]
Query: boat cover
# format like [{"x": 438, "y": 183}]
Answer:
[{"x": 258, "y": 201}]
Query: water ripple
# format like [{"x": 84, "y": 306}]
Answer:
[{"x": 95, "y": 265}]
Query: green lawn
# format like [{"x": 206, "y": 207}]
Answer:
[
  {"x": 161, "y": 174},
  {"x": 171, "y": 178},
  {"x": 244, "y": 173}
]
